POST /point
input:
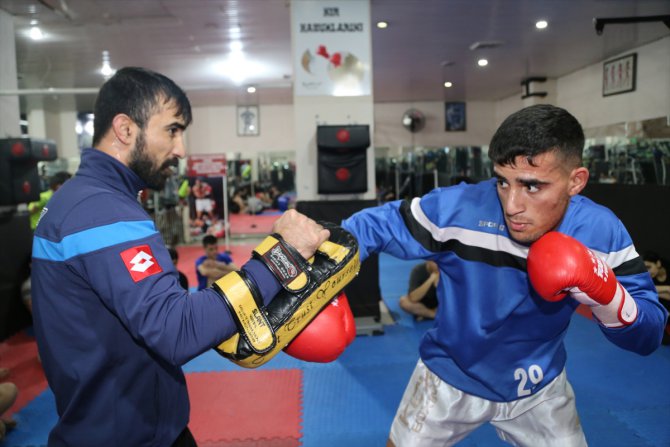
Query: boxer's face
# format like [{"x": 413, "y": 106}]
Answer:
[
  {"x": 211, "y": 251},
  {"x": 534, "y": 198},
  {"x": 652, "y": 268},
  {"x": 159, "y": 146}
]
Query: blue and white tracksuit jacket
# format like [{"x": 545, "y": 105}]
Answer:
[{"x": 494, "y": 337}]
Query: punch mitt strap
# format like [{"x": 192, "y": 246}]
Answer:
[
  {"x": 284, "y": 261},
  {"x": 335, "y": 264},
  {"x": 242, "y": 298}
]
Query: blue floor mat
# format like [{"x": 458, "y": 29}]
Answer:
[{"x": 623, "y": 399}]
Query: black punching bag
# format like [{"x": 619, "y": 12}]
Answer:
[
  {"x": 342, "y": 159},
  {"x": 19, "y": 179}
]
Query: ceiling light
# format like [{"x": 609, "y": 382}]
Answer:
[
  {"x": 251, "y": 89},
  {"x": 235, "y": 46},
  {"x": 382, "y": 25},
  {"x": 541, "y": 24},
  {"x": 448, "y": 84},
  {"x": 238, "y": 68},
  {"x": 106, "y": 68},
  {"x": 482, "y": 62},
  {"x": 235, "y": 32},
  {"x": 36, "y": 32}
]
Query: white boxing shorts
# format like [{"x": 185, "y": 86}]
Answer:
[{"x": 433, "y": 413}]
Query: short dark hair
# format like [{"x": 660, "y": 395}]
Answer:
[
  {"x": 209, "y": 240},
  {"x": 136, "y": 92},
  {"x": 652, "y": 256},
  {"x": 535, "y": 130},
  {"x": 174, "y": 254},
  {"x": 59, "y": 178}
]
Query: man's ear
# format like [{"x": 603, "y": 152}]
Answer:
[
  {"x": 124, "y": 128},
  {"x": 578, "y": 179}
]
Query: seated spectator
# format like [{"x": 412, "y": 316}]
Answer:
[
  {"x": 8, "y": 393},
  {"x": 255, "y": 205},
  {"x": 35, "y": 208},
  {"x": 239, "y": 203},
  {"x": 659, "y": 274},
  {"x": 421, "y": 299},
  {"x": 212, "y": 265},
  {"x": 174, "y": 255}
]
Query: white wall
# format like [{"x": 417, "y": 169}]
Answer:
[
  {"x": 60, "y": 119},
  {"x": 389, "y": 131},
  {"x": 214, "y": 128},
  {"x": 9, "y": 105},
  {"x": 581, "y": 91}
]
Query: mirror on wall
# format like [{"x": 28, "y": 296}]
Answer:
[
  {"x": 417, "y": 170},
  {"x": 634, "y": 153}
]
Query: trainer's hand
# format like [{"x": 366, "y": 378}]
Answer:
[{"x": 304, "y": 234}]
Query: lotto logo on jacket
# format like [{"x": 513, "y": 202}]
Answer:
[{"x": 140, "y": 262}]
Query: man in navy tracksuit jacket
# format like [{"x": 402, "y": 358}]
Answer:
[{"x": 113, "y": 326}]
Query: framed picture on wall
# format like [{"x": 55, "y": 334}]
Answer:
[
  {"x": 619, "y": 75},
  {"x": 454, "y": 116},
  {"x": 248, "y": 121}
]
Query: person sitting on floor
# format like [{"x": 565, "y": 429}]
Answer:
[
  {"x": 421, "y": 299},
  {"x": 8, "y": 393},
  {"x": 174, "y": 255},
  {"x": 212, "y": 265},
  {"x": 659, "y": 274}
]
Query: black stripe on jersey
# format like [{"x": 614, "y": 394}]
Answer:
[
  {"x": 632, "y": 267},
  {"x": 467, "y": 252},
  {"x": 418, "y": 232}
]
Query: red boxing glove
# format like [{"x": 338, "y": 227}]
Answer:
[
  {"x": 559, "y": 264},
  {"x": 326, "y": 337}
]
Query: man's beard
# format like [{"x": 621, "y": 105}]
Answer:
[{"x": 141, "y": 163}]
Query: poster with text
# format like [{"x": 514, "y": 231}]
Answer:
[{"x": 331, "y": 43}]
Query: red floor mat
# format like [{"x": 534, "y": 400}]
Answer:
[
  {"x": 248, "y": 224},
  {"x": 19, "y": 354},
  {"x": 246, "y": 408}
]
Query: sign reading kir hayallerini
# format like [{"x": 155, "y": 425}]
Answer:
[{"x": 331, "y": 42}]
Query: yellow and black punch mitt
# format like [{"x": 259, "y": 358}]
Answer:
[{"x": 307, "y": 286}]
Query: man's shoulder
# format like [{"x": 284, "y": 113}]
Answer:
[
  {"x": 224, "y": 257},
  {"x": 72, "y": 210}
]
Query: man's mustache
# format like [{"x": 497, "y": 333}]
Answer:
[{"x": 173, "y": 163}]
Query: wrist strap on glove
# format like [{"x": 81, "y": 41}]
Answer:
[
  {"x": 284, "y": 261},
  {"x": 621, "y": 311},
  {"x": 242, "y": 298}
]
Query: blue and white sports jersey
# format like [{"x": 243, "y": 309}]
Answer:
[
  {"x": 494, "y": 337},
  {"x": 112, "y": 323}
]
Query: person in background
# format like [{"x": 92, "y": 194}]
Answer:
[
  {"x": 174, "y": 255},
  {"x": 202, "y": 192},
  {"x": 421, "y": 298},
  {"x": 35, "y": 208},
  {"x": 212, "y": 265},
  {"x": 8, "y": 394},
  {"x": 658, "y": 270},
  {"x": 113, "y": 325},
  {"x": 517, "y": 254}
]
